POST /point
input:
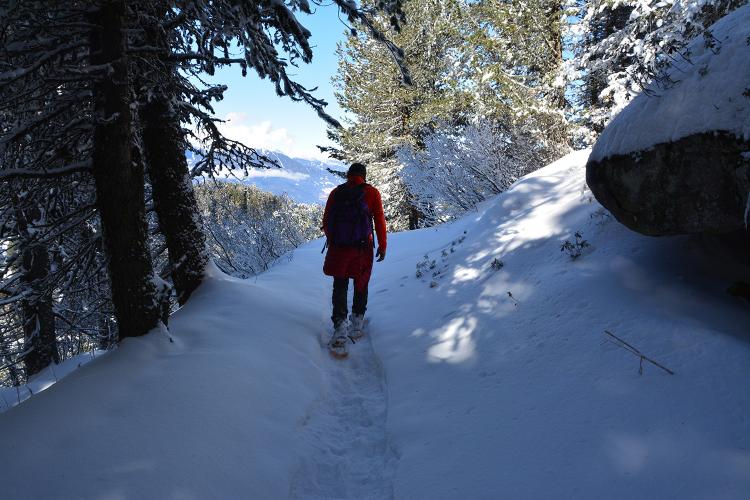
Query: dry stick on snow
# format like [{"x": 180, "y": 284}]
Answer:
[{"x": 621, "y": 343}]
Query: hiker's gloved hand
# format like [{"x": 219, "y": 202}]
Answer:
[{"x": 380, "y": 254}]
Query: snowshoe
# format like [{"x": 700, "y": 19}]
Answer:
[
  {"x": 338, "y": 343},
  {"x": 338, "y": 347},
  {"x": 356, "y": 326}
]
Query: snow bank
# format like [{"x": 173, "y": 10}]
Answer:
[
  {"x": 711, "y": 94},
  {"x": 11, "y": 396},
  {"x": 212, "y": 413},
  {"x": 487, "y": 377}
]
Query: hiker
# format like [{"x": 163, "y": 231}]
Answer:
[{"x": 348, "y": 226}]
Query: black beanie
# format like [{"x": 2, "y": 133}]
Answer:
[{"x": 357, "y": 169}]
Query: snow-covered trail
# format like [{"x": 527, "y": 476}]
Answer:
[
  {"x": 349, "y": 453},
  {"x": 344, "y": 449},
  {"x": 232, "y": 403},
  {"x": 244, "y": 401}
]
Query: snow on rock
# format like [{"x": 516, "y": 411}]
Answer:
[
  {"x": 489, "y": 376},
  {"x": 673, "y": 161},
  {"x": 712, "y": 93}
]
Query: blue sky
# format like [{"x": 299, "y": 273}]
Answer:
[{"x": 260, "y": 118}]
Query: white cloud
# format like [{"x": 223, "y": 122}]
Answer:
[{"x": 263, "y": 135}]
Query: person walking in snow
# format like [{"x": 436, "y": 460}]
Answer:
[{"x": 348, "y": 226}]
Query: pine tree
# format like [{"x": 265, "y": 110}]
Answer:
[
  {"x": 388, "y": 114},
  {"x": 517, "y": 64},
  {"x": 164, "y": 146},
  {"x": 119, "y": 179},
  {"x": 622, "y": 46},
  {"x": 40, "y": 343},
  {"x": 45, "y": 136},
  {"x": 491, "y": 60}
]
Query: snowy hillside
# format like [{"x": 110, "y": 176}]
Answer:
[
  {"x": 304, "y": 180},
  {"x": 485, "y": 374}
]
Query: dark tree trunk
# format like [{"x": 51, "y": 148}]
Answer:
[
  {"x": 174, "y": 200},
  {"x": 554, "y": 32},
  {"x": 40, "y": 341},
  {"x": 164, "y": 150},
  {"x": 120, "y": 183}
]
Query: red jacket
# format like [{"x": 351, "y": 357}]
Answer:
[{"x": 353, "y": 262}]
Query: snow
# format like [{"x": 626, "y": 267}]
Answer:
[
  {"x": 304, "y": 180},
  {"x": 711, "y": 94},
  {"x": 11, "y": 396},
  {"x": 458, "y": 390}
]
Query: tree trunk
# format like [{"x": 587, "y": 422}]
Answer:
[
  {"x": 554, "y": 31},
  {"x": 174, "y": 200},
  {"x": 37, "y": 316},
  {"x": 164, "y": 150},
  {"x": 119, "y": 182},
  {"x": 40, "y": 342}
]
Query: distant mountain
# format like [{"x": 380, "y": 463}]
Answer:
[{"x": 304, "y": 180}]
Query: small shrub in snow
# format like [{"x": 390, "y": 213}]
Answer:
[
  {"x": 600, "y": 215},
  {"x": 427, "y": 265},
  {"x": 424, "y": 266},
  {"x": 496, "y": 264},
  {"x": 575, "y": 248},
  {"x": 249, "y": 229}
]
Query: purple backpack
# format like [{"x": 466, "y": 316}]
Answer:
[{"x": 349, "y": 219}]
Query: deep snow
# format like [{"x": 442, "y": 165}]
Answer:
[
  {"x": 711, "y": 93},
  {"x": 460, "y": 390}
]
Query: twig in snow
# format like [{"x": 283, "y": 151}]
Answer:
[{"x": 642, "y": 357}]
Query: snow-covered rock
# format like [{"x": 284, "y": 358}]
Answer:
[{"x": 675, "y": 159}]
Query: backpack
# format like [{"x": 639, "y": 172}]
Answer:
[{"x": 350, "y": 220}]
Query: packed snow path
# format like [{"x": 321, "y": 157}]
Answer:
[{"x": 350, "y": 455}]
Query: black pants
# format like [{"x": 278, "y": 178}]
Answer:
[{"x": 340, "y": 310}]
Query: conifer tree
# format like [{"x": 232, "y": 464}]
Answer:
[
  {"x": 388, "y": 114},
  {"x": 156, "y": 84},
  {"x": 120, "y": 180},
  {"x": 623, "y": 45},
  {"x": 517, "y": 60},
  {"x": 490, "y": 60}
]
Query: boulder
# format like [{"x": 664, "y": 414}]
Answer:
[
  {"x": 676, "y": 160},
  {"x": 697, "y": 184}
]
